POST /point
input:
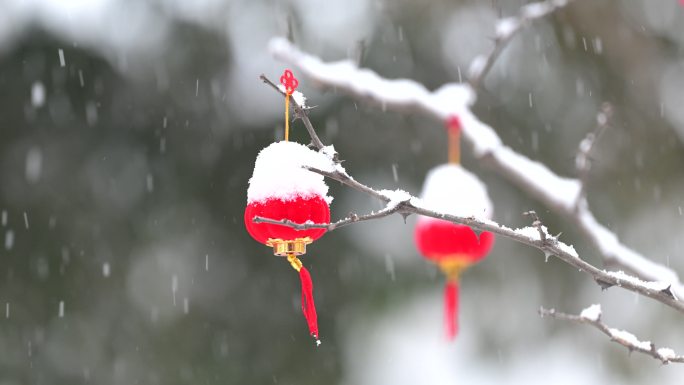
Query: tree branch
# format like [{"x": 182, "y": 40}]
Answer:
[
  {"x": 352, "y": 218},
  {"x": 401, "y": 202},
  {"x": 506, "y": 29},
  {"x": 536, "y": 236},
  {"x": 562, "y": 195},
  {"x": 592, "y": 316}
]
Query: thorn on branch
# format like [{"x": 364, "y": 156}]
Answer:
[
  {"x": 605, "y": 285},
  {"x": 668, "y": 292}
]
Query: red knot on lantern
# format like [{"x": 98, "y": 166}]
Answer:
[
  {"x": 281, "y": 189},
  {"x": 290, "y": 84},
  {"x": 451, "y": 189}
]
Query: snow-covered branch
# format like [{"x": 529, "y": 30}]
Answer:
[
  {"x": 536, "y": 236},
  {"x": 592, "y": 316},
  {"x": 401, "y": 202},
  {"x": 563, "y": 195}
]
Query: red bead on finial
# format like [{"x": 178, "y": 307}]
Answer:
[
  {"x": 453, "y": 124},
  {"x": 289, "y": 82}
]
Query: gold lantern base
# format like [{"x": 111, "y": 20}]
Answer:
[
  {"x": 453, "y": 266},
  {"x": 284, "y": 248}
]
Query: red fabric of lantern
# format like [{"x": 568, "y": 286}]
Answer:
[
  {"x": 438, "y": 240},
  {"x": 298, "y": 210}
]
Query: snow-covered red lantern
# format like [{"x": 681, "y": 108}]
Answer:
[
  {"x": 281, "y": 189},
  {"x": 451, "y": 189}
]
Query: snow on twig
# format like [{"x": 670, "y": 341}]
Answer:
[
  {"x": 563, "y": 195},
  {"x": 592, "y": 316}
]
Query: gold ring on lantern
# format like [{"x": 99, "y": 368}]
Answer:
[{"x": 284, "y": 248}]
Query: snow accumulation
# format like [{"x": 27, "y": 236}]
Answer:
[
  {"x": 477, "y": 66},
  {"x": 395, "y": 197},
  {"x": 608, "y": 243},
  {"x": 278, "y": 173},
  {"x": 629, "y": 338},
  {"x": 565, "y": 191},
  {"x": 536, "y": 10},
  {"x": 451, "y": 189},
  {"x": 298, "y": 97},
  {"x": 652, "y": 285},
  {"x": 363, "y": 81},
  {"x": 666, "y": 354},
  {"x": 505, "y": 27},
  {"x": 592, "y": 313},
  {"x": 533, "y": 233}
]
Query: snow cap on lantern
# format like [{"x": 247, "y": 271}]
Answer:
[
  {"x": 451, "y": 189},
  {"x": 278, "y": 173},
  {"x": 280, "y": 188}
]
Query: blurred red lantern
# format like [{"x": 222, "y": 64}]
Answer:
[
  {"x": 453, "y": 248},
  {"x": 451, "y": 189}
]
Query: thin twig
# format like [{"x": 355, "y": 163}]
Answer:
[
  {"x": 352, "y": 218},
  {"x": 626, "y": 339},
  {"x": 506, "y": 29},
  {"x": 583, "y": 157},
  {"x": 299, "y": 113},
  {"x": 346, "y": 179}
]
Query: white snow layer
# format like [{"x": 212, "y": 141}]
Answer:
[
  {"x": 652, "y": 285},
  {"x": 505, "y": 27},
  {"x": 629, "y": 338},
  {"x": 395, "y": 197},
  {"x": 298, "y": 97},
  {"x": 666, "y": 354},
  {"x": 592, "y": 313},
  {"x": 278, "y": 173},
  {"x": 451, "y": 189}
]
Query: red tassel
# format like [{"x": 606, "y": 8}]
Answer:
[
  {"x": 308, "y": 305},
  {"x": 451, "y": 308}
]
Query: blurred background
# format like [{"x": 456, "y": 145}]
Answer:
[{"x": 129, "y": 130}]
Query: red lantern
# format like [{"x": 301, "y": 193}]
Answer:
[
  {"x": 280, "y": 189},
  {"x": 453, "y": 247},
  {"x": 298, "y": 210}
]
